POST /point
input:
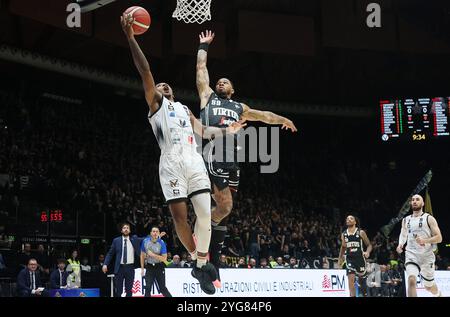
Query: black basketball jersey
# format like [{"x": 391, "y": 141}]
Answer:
[
  {"x": 221, "y": 112},
  {"x": 354, "y": 244}
]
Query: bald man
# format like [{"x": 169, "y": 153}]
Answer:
[{"x": 420, "y": 232}]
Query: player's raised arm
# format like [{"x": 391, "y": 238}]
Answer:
[
  {"x": 267, "y": 117},
  {"x": 151, "y": 94},
  {"x": 204, "y": 90},
  {"x": 213, "y": 132},
  {"x": 367, "y": 243}
]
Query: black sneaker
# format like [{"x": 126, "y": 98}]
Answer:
[
  {"x": 204, "y": 276},
  {"x": 211, "y": 271}
]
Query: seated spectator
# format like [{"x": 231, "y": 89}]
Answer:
[
  {"x": 397, "y": 280},
  {"x": 272, "y": 262},
  {"x": 58, "y": 278},
  {"x": 263, "y": 264},
  {"x": 188, "y": 262},
  {"x": 293, "y": 263},
  {"x": 85, "y": 267},
  {"x": 43, "y": 260},
  {"x": 241, "y": 263},
  {"x": 386, "y": 281},
  {"x": 97, "y": 267},
  {"x": 175, "y": 262},
  {"x": 25, "y": 255},
  {"x": 223, "y": 262},
  {"x": 29, "y": 282},
  {"x": 280, "y": 263},
  {"x": 251, "y": 263},
  {"x": 286, "y": 253},
  {"x": 441, "y": 263},
  {"x": 373, "y": 280}
]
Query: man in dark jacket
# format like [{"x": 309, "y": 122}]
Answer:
[
  {"x": 125, "y": 249},
  {"x": 29, "y": 281},
  {"x": 58, "y": 278}
]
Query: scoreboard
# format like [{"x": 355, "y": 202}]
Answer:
[{"x": 415, "y": 119}]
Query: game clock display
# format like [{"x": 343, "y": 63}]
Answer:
[
  {"x": 52, "y": 216},
  {"x": 415, "y": 119}
]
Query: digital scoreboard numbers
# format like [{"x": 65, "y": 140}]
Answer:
[
  {"x": 52, "y": 216},
  {"x": 412, "y": 119}
]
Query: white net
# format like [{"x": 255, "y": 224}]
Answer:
[{"x": 193, "y": 11}]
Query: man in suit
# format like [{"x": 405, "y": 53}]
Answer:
[
  {"x": 29, "y": 280},
  {"x": 58, "y": 278},
  {"x": 125, "y": 249}
]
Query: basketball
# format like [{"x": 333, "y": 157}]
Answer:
[{"x": 142, "y": 19}]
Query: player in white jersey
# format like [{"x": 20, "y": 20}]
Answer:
[
  {"x": 182, "y": 172},
  {"x": 420, "y": 232}
]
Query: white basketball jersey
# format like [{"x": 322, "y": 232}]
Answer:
[
  {"x": 418, "y": 227},
  {"x": 172, "y": 127}
]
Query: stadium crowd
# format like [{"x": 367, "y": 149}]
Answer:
[{"x": 102, "y": 163}]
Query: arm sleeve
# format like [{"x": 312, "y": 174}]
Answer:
[
  {"x": 143, "y": 246},
  {"x": 163, "y": 247}
]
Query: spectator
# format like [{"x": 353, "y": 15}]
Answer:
[
  {"x": 29, "y": 281},
  {"x": 241, "y": 263},
  {"x": 293, "y": 263},
  {"x": 25, "y": 255},
  {"x": 237, "y": 245},
  {"x": 183, "y": 258},
  {"x": 441, "y": 263},
  {"x": 286, "y": 253},
  {"x": 85, "y": 267},
  {"x": 74, "y": 263},
  {"x": 272, "y": 262},
  {"x": 97, "y": 267},
  {"x": 386, "y": 281},
  {"x": 58, "y": 278},
  {"x": 263, "y": 264},
  {"x": 280, "y": 263},
  {"x": 251, "y": 263},
  {"x": 223, "y": 262},
  {"x": 397, "y": 280},
  {"x": 175, "y": 262},
  {"x": 188, "y": 262},
  {"x": 42, "y": 260},
  {"x": 254, "y": 240},
  {"x": 374, "y": 280}
]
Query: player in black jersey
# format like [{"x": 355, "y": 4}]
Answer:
[
  {"x": 352, "y": 247},
  {"x": 219, "y": 110}
]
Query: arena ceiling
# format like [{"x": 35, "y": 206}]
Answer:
[{"x": 289, "y": 50}]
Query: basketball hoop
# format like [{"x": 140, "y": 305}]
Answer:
[{"x": 191, "y": 11}]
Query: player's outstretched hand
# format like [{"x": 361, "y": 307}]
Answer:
[
  {"x": 288, "y": 124},
  {"x": 236, "y": 126},
  {"x": 126, "y": 20},
  {"x": 206, "y": 37},
  {"x": 399, "y": 249},
  {"x": 366, "y": 254}
]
